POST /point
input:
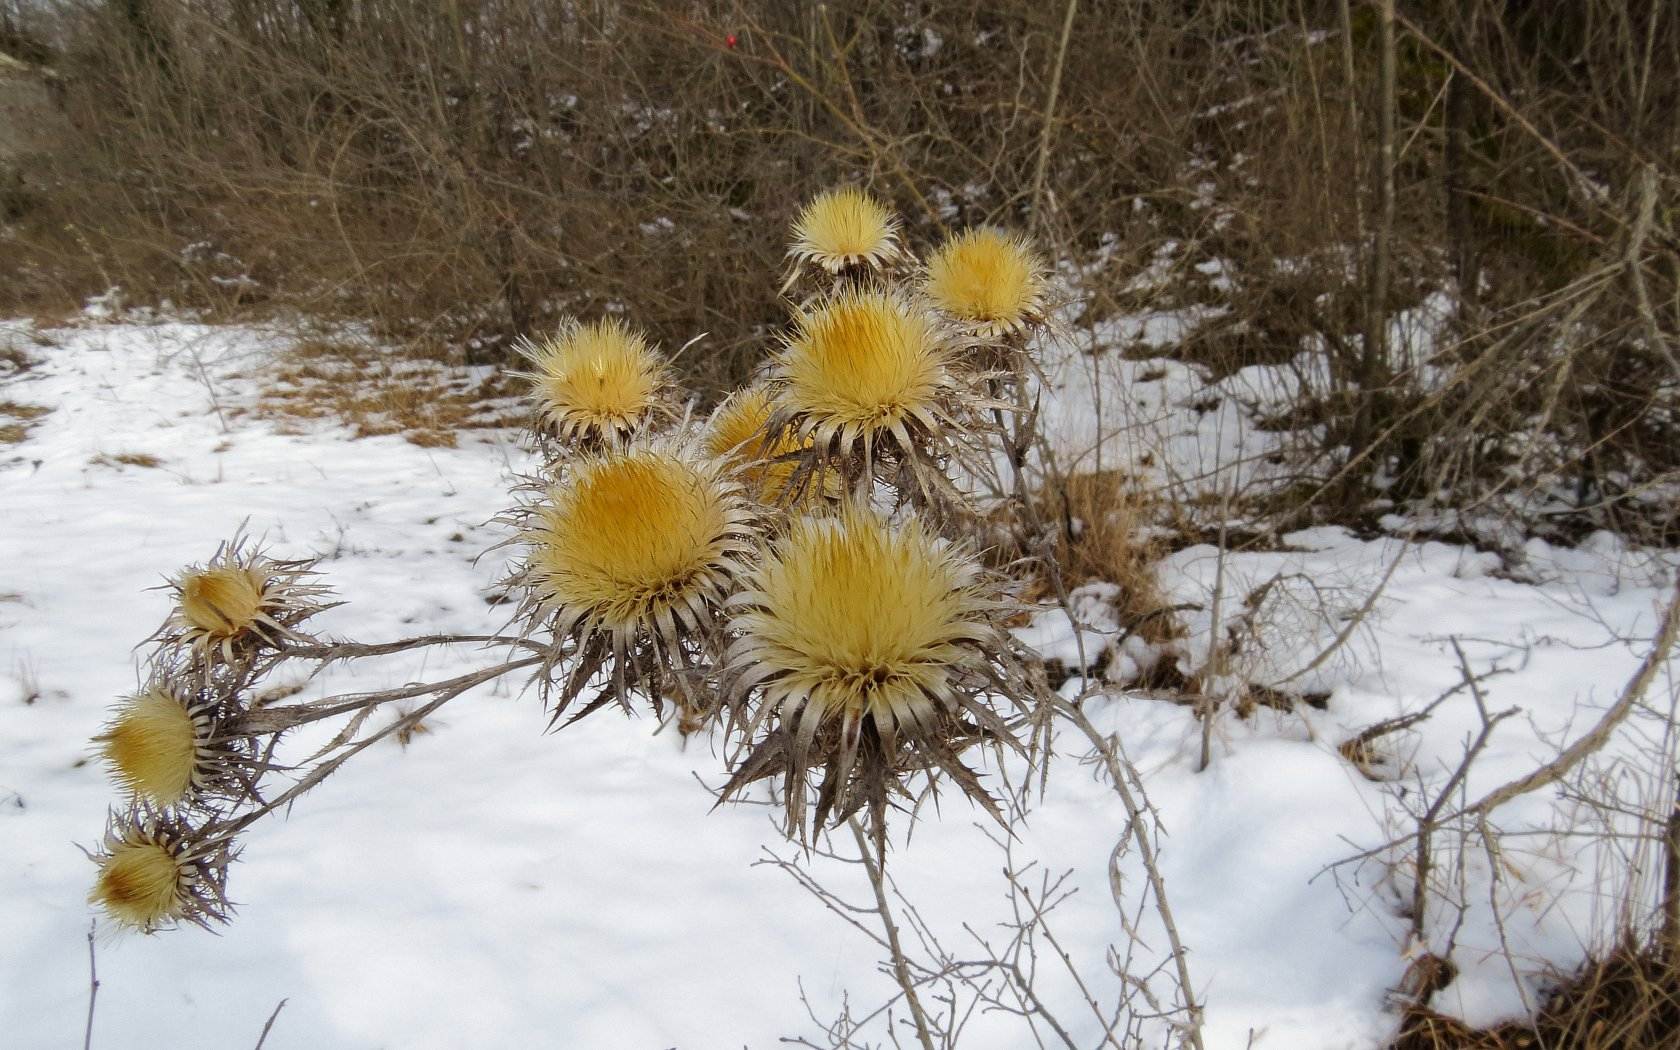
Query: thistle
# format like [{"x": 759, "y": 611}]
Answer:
[
  {"x": 739, "y": 434},
  {"x": 154, "y": 875},
  {"x": 844, "y": 230},
  {"x": 238, "y": 603},
  {"x": 988, "y": 282},
  {"x": 596, "y": 384},
  {"x": 869, "y": 647},
  {"x": 629, "y": 556},
  {"x": 864, "y": 374},
  {"x": 167, "y": 745}
]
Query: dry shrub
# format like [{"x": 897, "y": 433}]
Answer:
[
  {"x": 1628, "y": 1000},
  {"x": 471, "y": 172}
]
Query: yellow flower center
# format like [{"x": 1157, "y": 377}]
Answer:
[
  {"x": 983, "y": 275},
  {"x": 597, "y": 376},
  {"x": 223, "y": 601},
  {"x": 632, "y": 534},
  {"x": 152, "y": 747},
  {"x": 139, "y": 885},
  {"x": 844, "y": 226},
  {"x": 737, "y": 433},
  {"x": 863, "y": 358},
  {"x": 860, "y": 617}
]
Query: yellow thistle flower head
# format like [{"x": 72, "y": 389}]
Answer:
[
  {"x": 140, "y": 885},
  {"x": 739, "y": 434},
  {"x": 861, "y": 364},
  {"x": 987, "y": 281},
  {"x": 596, "y": 382},
  {"x": 634, "y": 541},
  {"x": 224, "y": 600},
  {"x": 849, "y": 617},
  {"x": 154, "y": 746},
  {"x": 150, "y": 877},
  {"x": 844, "y": 228},
  {"x": 238, "y": 601}
]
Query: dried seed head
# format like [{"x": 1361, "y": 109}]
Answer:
[
  {"x": 862, "y": 365},
  {"x": 152, "y": 876},
  {"x": 224, "y": 601},
  {"x": 596, "y": 383},
  {"x": 739, "y": 433},
  {"x": 631, "y": 539},
  {"x": 169, "y": 746},
  {"x": 152, "y": 746},
  {"x": 849, "y": 616},
  {"x": 987, "y": 281},
  {"x": 140, "y": 885},
  {"x": 629, "y": 555},
  {"x": 845, "y": 228},
  {"x": 238, "y": 602},
  {"x": 866, "y": 642}
]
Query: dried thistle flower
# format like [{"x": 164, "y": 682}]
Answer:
[
  {"x": 864, "y": 373},
  {"x": 630, "y": 555},
  {"x": 739, "y": 433},
  {"x": 167, "y": 744},
  {"x": 156, "y": 873},
  {"x": 596, "y": 384},
  {"x": 987, "y": 281},
  {"x": 867, "y": 643},
  {"x": 845, "y": 229},
  {"x": 238, "y": 602}
]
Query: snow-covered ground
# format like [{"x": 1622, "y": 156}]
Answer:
[{"x": 489, "y": 885}]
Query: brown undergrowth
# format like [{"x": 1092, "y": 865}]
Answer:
[
  {"x": 1102, "y": 526},
  {"x": 1629, "y": 1000},
  {"x": 16, "y": 418},
  {"x": 375, "y": 392}
]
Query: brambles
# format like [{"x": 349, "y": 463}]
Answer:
[{"x": 800, "y": 577}]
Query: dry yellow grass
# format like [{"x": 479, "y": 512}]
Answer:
[
  {"x": 16, "y": 418},
  {"x": 375, "y": 392},
  {"x": 1107, "y": 518}
]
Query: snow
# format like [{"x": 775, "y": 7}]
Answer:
[{"x": 493, "y": 885}]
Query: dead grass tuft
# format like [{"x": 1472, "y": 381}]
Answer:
[
  {"x": 1104, "y": 538},
  {"x": 1629, "y": 1000},
  {"x": 127, "y": 459},
  {"x": 16, "y": 418},
  {"x": 377, "y": 392}
]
